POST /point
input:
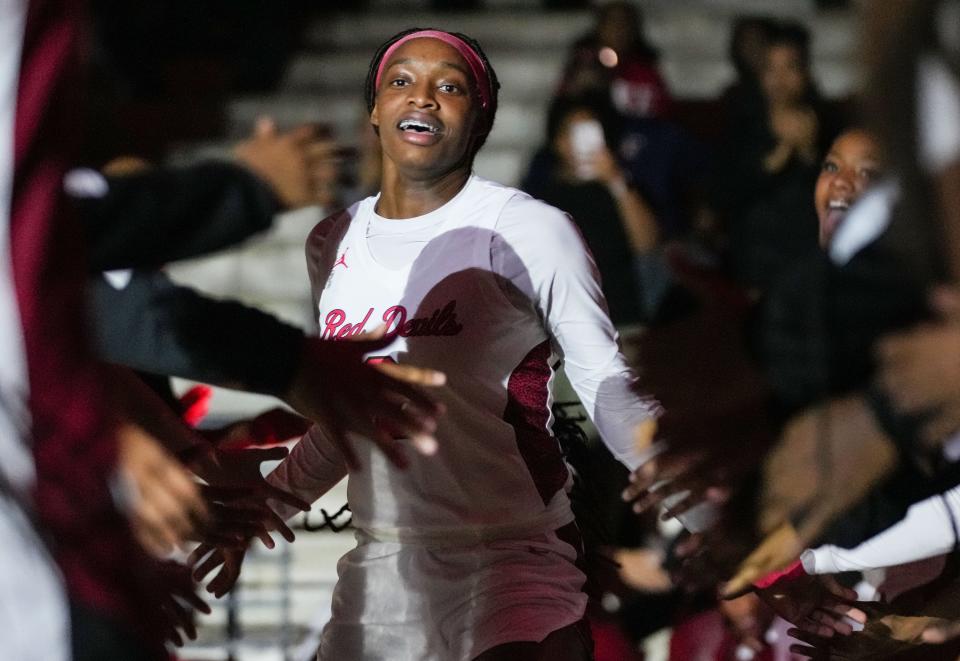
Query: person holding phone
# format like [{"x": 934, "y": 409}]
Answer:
[{"x": 586, "y": 180}]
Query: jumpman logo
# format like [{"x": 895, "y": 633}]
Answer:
[{"x": 342, "y": 261}]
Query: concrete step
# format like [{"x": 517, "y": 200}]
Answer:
[
  {"x": 528, "y": 49},
  {"x": 522, "y": 73},
  {"x": 493, "y": 29}
]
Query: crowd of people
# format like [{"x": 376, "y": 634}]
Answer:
[{"x": 765, "y": 335}]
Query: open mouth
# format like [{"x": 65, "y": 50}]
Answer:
[
  {"x": 836, "y": 212},
  {"x": 418, "y": 126}
]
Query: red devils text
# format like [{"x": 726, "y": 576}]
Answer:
[{"x": 441, "y": 322}]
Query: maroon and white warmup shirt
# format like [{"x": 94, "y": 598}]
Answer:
[{"x": 495, "y": 289}]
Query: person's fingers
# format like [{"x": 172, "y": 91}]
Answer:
[
  {"x": 421, "y": 376},
  {"x": 199, "y": 554},
  {"x": 194, "y": 600},
  {"x": 303, "y": 134},
  {"x": 264, "y": 127},
  {"x": 248, "y": 510},
  {"x": 161, "y": 519},
  {"x": 814, "y": 646},
  {"x": 150, "y": 539},
  {"x": 182, "y": 617},
  {"x": 856, "y": 614},
  {"x": 186, "y": 491},
  {"x": 265, "y": 538},
  {"x": 674, "y": 463},
  {"x": 718, "y": 495},
  {"x": 224, "y": 581},
  {"x": 633, "y": 490},
  {"x": 228, "y": 495},
  {"x": 649, "y": 501},
  {"x": 814, "y": 625},
  {"x": 840, "y": 591},
  {"x": 735, "y": 589},
  {"x": 425, "y": 444},
  {"x": 389, "y": 446},
  {"x": 806, "y": 652},
  {"x": 695, "y": 498},
  {"x": 280, "y": 526},
  {"x": 421, "y": 407},
  {"x": 323, "y": 150},
  {"x": 232, "y": 533},
  {"x": 173, "y": 635},
  {"x": 372, "y": 340},
  {"x": 946, "y": 301},
  {"x": 278, "y": 494},
  {"x": 406, "y": 422},
  {"x": 213, "y": 561},
  {"x": 175, "y": 515},
  {"x": 689, "y": 546},
  {"x": 234, "y": 522},
  {"x": 937, "y": 635},
  {"x": 742, "y": 583},
  {"x": 406, "y": 415},
  {"x": 824, "y": 617}
]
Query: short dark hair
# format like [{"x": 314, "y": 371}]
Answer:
[
  {"x": 370, "y": 85},
  {"x": 793, "y": 35},
  {"x": 597, "y": 104},
  {"x": 741, "y": 26}
]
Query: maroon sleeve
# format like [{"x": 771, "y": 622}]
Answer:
[{"x": 74, "y": 444}]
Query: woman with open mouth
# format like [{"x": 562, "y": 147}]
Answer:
[
  {"x": 470, "y": 551},
  {"x": 849, "y": 168}
]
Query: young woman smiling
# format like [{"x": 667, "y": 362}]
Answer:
[{"x": 470, "y": 553}]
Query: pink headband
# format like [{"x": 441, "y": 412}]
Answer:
[{"x": 473, "y": 60}]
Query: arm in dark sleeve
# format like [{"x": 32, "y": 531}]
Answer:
[
  {"x": 156, "y": 326},
  {"x": 147, "y": 219}
]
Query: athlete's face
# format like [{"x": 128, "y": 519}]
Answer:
[
  {"x": 425, "y": 110},
  {"x": 851, "y": 165}
]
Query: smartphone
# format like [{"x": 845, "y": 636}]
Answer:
[{"x": 586, "y": 139}]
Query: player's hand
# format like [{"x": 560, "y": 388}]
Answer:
[
  {"x": 815, "y": 604},
  {"x": 684, "y": 479},
  {"x": 165, "y": 505},
  {"x": 206, "y": 558},
  {"x": 180, "y": 603},
  {"x": 286, "y": 161},
  {"x": 236, "y": 517},
  {"x": 713, "y": 394},
  {"x": 941, "y": 633},
  {"x": 238, "y": 493},
  {"x": 382, "y": 403},
  {"x": 749, "y": 619},
  {"x": 920, "y": 368},
  {"x": 776, "y": 552}
]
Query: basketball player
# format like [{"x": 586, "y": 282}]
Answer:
[{"x": 470, "y": 553}]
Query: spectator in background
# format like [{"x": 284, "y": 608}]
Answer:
[
  {"x": 743, "y": 100},
  {"x": 770, "y": 166},
  {"x": 579, "y": 173},
  {"x": 615, "y": 58}
]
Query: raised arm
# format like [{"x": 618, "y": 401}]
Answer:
[{"x": 542, "y": 253}]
